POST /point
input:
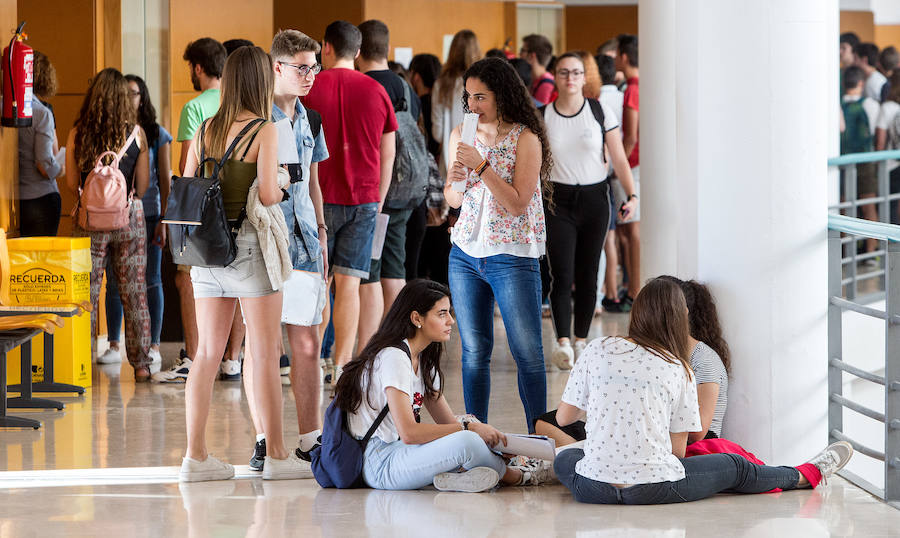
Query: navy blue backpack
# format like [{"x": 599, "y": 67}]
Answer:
[{"x": 338, "y": 462}]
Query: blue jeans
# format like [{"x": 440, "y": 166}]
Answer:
[
  {"x": 155, "y": 299},
  {"x": 400, "y": 466},
  {"x": 515, "y": 282},
  {"x": 350, "y": 232},
  {"x": 704, "y": 476}
]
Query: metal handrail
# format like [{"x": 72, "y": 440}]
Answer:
[
  {"x": 865, "y": 157},
  {"x": 837, "y": 305}
]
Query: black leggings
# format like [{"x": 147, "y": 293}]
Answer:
[
  {"x": 40, "y": 216},
  {"x": 576, "y": 230}
]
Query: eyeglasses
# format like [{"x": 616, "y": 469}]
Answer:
[
  {"x": 304, "y": 70},
  {"x": 565, "y": 73}
]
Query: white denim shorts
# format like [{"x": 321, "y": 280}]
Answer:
[
  {"x": 305, "y": 294},
  {"x": 246, "y": 276}
]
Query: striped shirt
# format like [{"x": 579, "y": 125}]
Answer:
[{"x": 708, "y": 368}]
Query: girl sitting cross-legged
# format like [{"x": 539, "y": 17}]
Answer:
[
  {"x": 400, "y": 368},
  {"x": 639, "y": 401}
]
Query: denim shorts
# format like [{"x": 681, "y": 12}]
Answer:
[
  {"x": 246, "y": 276},
  {"x": 350, "y": 231}
]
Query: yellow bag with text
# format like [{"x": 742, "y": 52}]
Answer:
[{"x": 49, "y": 270}]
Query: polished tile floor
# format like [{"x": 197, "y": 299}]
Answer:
[{"x": 107, "y": 464}]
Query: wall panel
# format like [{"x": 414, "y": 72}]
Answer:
[
  {"x": 312, "y": 16},
  {"x": 587, "y": 27},
  {"x": 860, "y": 22},
  {"x": 421, "y": 24},
  {"x": 887, "y": 35},
  {"x": 9, "y": 139}
]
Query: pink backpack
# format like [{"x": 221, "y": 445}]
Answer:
[{"x": 104, "y": 201}]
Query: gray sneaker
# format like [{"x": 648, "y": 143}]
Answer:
[
  {"x": 471, "y": 481},
  {"x": 832, "y": 459}
]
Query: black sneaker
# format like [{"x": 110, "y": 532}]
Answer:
[
  {"x": 616, "y": 307},
  {"x": 258, "y": 459},
  {"x": 284, "y": 365},
  {"x": 306, "y": 456}
]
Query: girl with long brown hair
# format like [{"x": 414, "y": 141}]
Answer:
[
  {"x": 247, "y": 86},
  {"x": 639, "y": 400},
  {"x": 446, "y": 107},
  {"x": 106, "y": 122}
]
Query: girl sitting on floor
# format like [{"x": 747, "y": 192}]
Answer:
[
  {"x": 400, "y": 368},
  {"x": 710, "y": 359},
  {"x": 639, "y": 401}
]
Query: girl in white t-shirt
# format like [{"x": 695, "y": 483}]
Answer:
[
  {"x": 400, "y": 369},
  {"x": 640, "y": 402}
]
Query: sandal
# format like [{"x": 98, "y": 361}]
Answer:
[{"x": 141, "y": 374}]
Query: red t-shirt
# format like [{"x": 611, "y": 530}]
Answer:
[
  {"x": 631, "y": 101},
  {"x": 355, "y": 111},
  {"x": 545, "y": 92}
]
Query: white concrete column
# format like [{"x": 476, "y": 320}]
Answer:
[{"x": 737, "y": 113}]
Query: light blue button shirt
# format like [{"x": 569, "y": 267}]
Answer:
[{"x": 299, "y": 212}]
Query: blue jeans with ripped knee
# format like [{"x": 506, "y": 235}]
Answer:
[{"x": 515, "y": 283}]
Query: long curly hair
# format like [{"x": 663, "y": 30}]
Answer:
[
  {"x": 106, "y": 118},
  {"x": 417, "y": 296},
  {"x": 514, "y": 105},
  {"x": 146, "y": 112},
  {"x": 703, "y": 317}
]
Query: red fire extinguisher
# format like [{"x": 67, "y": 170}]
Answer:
[{"x": 18, "y": 80}]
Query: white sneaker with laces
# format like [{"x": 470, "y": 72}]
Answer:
[
  {"x": 471, "y": 481},
  {"x": 536, "y": 472},
  {"x": 230, "y": 370},
  {"x": 579, "y": 348},
  {"x": 155, "y": 361},
  {"x": 563, "y": 357},
  {"x": 208, "y": 469},
  {"x": 289, "y": 468},
  {"x": 175, "y": 374},
  {"x": 832, "y": 459},
  {"x": 110, "y": 356}
]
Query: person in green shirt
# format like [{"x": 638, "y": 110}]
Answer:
[{"x": 206, "y": 57}]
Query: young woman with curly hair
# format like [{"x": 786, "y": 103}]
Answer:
[
  {"x": 500, "y": 233},
  {"x": 106, "y": 121},
  {"x": 154, "y": 200}
]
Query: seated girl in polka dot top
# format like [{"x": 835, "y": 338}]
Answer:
[{"x": 639, "y": 400}]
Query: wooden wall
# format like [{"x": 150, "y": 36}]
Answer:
[
  {"x": 9, "y": 139},
  {"x": 312, "y": 16},
  {"x": 589, "y": 26},
  {"x": 422, "y": 24},
  {"x": 886, "y": 35},
  {"x": 193, "y": 19},
  {"x": 860, "y": 22}
]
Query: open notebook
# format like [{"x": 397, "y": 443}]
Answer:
[{"x": 530, "y": 446}]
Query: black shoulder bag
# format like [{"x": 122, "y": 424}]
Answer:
[{"x": 199, "y": 233}]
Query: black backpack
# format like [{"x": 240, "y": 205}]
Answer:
[
  {"x": 597, "y": 111},
  {"x": 199, "y": 233},
  {"x": 410, "y": 178}
]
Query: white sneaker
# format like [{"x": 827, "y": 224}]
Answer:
[
  {"x": 175, "y": 374},
  {"x": 471, "y": 481},
  {"x": 832, "y": 459},
  {"x": 336, "y": 374},
  {"x": 230, "y": 370},
  {"x": 563, "y": 356},
  {"x": 287, "y": 469},
  {"x": 155, "y": 361},
  {"x": 110, "y": 356},
  {"x": 536, "y": 472},
  {"x": 208, "y": 469},
  {"x": 579, "y": 348}
]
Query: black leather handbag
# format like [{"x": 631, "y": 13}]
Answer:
[{"x": 199, "y": 232}]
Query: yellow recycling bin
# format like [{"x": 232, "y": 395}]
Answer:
[
  {"x": 49, "y": 270},
  {"x": 71, "y": 354}
]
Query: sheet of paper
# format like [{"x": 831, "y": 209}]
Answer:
[
  {"x": 61, "y": 156},
  {"x": 403, "y": 55},
  {"x": 531, "y": 446},
  {"x": 469, "y": 128},
  {"x": 287, "y": 142},
  {"x": 448, "y": 40},
  {"x": 381, "y": 224}
]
